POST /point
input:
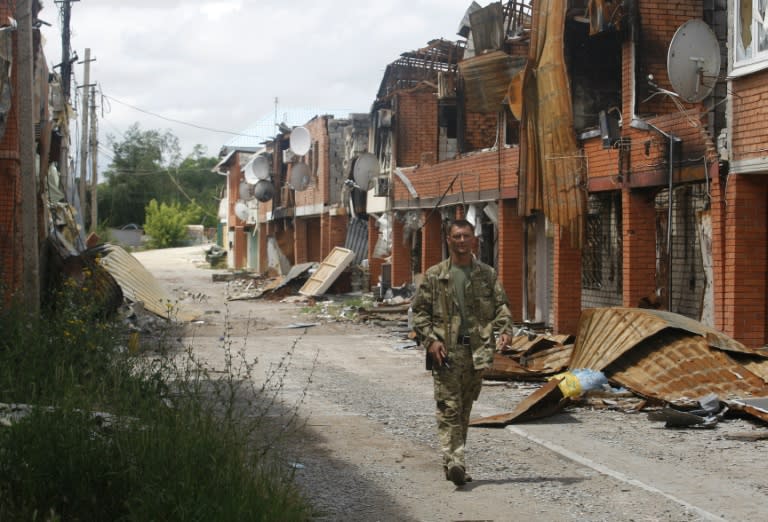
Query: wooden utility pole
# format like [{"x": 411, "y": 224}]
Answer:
[
  {"x": 26, "y": 128},
  {"x": 66, "y": 76},
  {"x": 94, "y": 162},
  {"x": 84, "y": 134}
]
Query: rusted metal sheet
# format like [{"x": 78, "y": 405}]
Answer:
[
  {"x": 544, "y": 402},
  {"x": 531, "y": 358},
  {"x": 487, "y": 78},
  {"x": 552, "y": 169},
  {"x": 677, "y": 366},
  {"x": 604, "y": 334},
  {"x": 665, "y": 356}
]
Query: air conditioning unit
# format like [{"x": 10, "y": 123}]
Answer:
[
  {"x": 381, "y": 186},
  {"x": 288, "y": 156}
]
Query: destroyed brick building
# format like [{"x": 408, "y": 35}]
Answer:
[{"x": 609, "y": 153}]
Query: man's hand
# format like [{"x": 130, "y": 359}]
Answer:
[
  {"x": 503, "y": 340},
  {"x": 438, "y": 353}
]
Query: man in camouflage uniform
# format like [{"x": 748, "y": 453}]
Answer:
[{"x": 455, "y": 312}]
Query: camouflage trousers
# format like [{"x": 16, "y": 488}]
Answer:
[{"x": 456, "y": 388}]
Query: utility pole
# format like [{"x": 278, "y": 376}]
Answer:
[
  {"x": 94, "y": 162},
  {"x": 66, "y": 76},
  {"x": 26, "y": 127},
  {"x": 84, "y": 134}
]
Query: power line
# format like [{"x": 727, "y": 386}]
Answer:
[{"x": 202, "y": 127}]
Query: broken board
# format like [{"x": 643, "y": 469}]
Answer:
[{"x": 328, "y": 271}]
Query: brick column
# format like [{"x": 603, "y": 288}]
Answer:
[
  {"x": 566, "y": 294},
  {"x": 746, "y": 259},
  {"x": 431, "y": 240},
  {"x": 300, "y": 248},
  {"x": 401, "y": 255},
  {"x": 337, "y": 230},
  {"x": 240, "y": 253},
  {"x": 718, "y": 246},
  {"x": 511, "y": 248},
  {"x": 263, "y": 259},
  {"x": 639, "y": 252}
]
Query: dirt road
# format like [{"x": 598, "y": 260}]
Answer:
[{"x": 368, "y": 450}]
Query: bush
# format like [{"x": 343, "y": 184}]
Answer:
[{"x": 165, "y": 224}]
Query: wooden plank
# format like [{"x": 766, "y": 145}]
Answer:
[{"x": 328, "y": 271}]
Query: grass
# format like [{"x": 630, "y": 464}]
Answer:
[{"x": 115, "y": 435}]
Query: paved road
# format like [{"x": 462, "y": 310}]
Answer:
[{"x": 368, "y": 449}]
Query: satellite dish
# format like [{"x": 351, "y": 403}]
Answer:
[
  {"x": 241, "y": 210},
  {"x": 300, "y": 176},
  {"x": 693, "y": 61},
  {"x": 257, "y": 169},
  {"x": 366, "y": 167},
  {"x": 300, "y": 141},
  {"x": 264, "y": 190}
]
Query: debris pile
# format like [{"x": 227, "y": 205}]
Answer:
[{"x": 690, "y": 374}]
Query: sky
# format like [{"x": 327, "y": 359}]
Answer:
[{"x": 207, "y": 70}]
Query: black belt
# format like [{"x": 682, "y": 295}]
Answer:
[{"x": 463, "y": 339}]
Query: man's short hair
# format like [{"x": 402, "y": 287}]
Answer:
[{"x": 460, "y": 223}]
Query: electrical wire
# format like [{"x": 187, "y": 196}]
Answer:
[{"x": 181, "y": 122}]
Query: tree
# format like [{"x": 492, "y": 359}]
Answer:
[
  {"x": 166, "y": 225},
  {"x": 147, "y": 165}
]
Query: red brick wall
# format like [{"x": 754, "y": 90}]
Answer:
[
  {"x": 511, "y": 248},
  {"x": 480, "y": 130},
  {"x": 659, "y": 20},
  {"x": 333, "y": 232},
  {"x": 745, "y": 297},
  {"x": 263, "y": 258},
  {"x": 416, "y": 122},
  {"x": 300, "y": 248},
  {"x": 749, "y": 131},
  {"x": 401, "y": 256},
  {"x": 240, "y": 250},
  {"x": 473, "y": 173},
  {"x": 10, "y": 228},
  {"x": 566, "y": 294},
  {"x": 718, "y": 246},
  {"x": 431, "y": 240},
  {"x": 318, "y": 191},
  {"x": 639, "y": 245}
]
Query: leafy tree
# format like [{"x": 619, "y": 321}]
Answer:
[
  {"x": 166, "y": 224},
  {"x": 147, "y": 165}
]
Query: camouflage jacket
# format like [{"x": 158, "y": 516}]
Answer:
[{"x": 436, "y": 312}]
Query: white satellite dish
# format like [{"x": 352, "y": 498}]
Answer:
[
  {"x": 693, "y": 61},
  {"x": 241, "y": 210},
  {"x": 300, "y": 176},
  {"x": 365, "y": 169},
  {"x": 263, "y": 190},
  {"x": 300, "y": 141},
  {"x": 257, "y": 169}
]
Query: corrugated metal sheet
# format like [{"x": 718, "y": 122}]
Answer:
[
  {"x": 665, "y": 356},
  {"x": 544, "y": 402},
  {"x": 487, "y": 78},
  {"x": 357, "y": 238},
  {"x": 552, "y": 168},
  {"x": 604, "y": 334},
  {"x": 138, "y": 284},
  {"x": 676, "y": 365}
]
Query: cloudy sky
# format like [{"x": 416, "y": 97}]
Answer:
[{"x": 219, "y": 65}]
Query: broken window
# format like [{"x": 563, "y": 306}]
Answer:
[
  {"x": 594, "y": 66},
  {"x": 448, "y": 126},
  {"x": 750, "y": 32}
]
